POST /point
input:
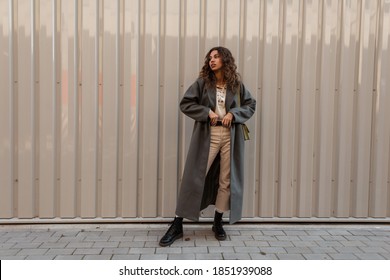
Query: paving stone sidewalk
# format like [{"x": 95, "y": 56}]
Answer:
[{"x": 252, "y": 241}]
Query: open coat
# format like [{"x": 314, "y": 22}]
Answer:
[{"x": 198, "y": 190}]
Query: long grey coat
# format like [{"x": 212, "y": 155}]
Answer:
[{"x": 198, "y": 190}]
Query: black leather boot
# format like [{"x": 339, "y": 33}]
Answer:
[
  {"x": 174, "y": 232},
  {"x": 220, "y": 234}
]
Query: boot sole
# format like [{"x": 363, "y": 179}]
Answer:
[
  {"x": 221, "y": 238},
  {"x": 171, "y": 242}
]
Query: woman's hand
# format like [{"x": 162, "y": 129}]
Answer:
[
  {"x": 227, "y": 120},
  {"x": 213, "y": 118}
]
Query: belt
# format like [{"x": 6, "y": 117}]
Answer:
[{"x": 219, "y": 123}]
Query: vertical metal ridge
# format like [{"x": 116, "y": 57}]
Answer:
[
  {"x": 180, "y": 88},
  {"x": 259, "y": 106},
  {"x": 15, "y": 90},
  {"x": 137, "y": 89},
  {"x": 119, "y": 152},
  {"x": 99, "y": 60},
  {"x": 119, "y": 163},
  {"x": 76, "y": 124},
  {"x": 140, "y": 102},
  {"x": 358, "y": 45},
  {"x": 281, "y": 41},
  {"x": 11, "y": 131},
  {"x": 199, "y": 42},
  {"x": 97, "y": 105},
  {"x": 33, "y": 121},
  {"x": 299, "y": 148},
  {"x": 159, "y": 100},
  {"x": 259, "y": 95},
  {"x": 317, "y": 106},
  {"x": 241, "y": 33},
  {"x": 377, "y": 207},
  {"x": 162, "y": 89},
  {"x": 379, "y": 24},
  {"x": 353, "y": 192},
  {"x": 336, "y": 146},
  {"x": 221, "y": 20},
  {"x": 317, "y": 162},
  {"x": 374, "y": 142},
  {"x": 161, "y": 57},
  {"x": 355, "y": 113},
  {"x": 55, "y": 101},
  {"x": 180, "y": 77},
  {"x": 79, "y": 98},
  {"x": 117, "y": 90}
]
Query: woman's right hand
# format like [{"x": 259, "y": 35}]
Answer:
[{"x": 213, "y": 118}]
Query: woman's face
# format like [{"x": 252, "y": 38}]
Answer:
[{"x": 215, "y": 61}]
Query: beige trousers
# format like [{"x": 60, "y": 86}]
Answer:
[{"x": 220, "y": 142}]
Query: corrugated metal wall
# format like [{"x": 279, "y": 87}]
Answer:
[{"x": 89, "y": 120}]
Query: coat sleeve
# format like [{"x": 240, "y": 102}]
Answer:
[
  {"x": 191, "y": 105},
  {"x": 247, "y": 108}
]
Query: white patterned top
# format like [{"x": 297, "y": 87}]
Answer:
[{"x": 220, "y": 109}]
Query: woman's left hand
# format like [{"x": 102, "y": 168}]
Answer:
[{"x": 227, "y": 120}]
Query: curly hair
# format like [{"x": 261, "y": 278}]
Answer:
[{"x": 231, "y": 75}]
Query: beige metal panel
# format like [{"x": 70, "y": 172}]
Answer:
[
  {"x": 170, "y": 85},
  {"x": 90, "y": 105},
  {"x": 308, "y": 94},
  {"x": 69, "y": 109},
  {"x": 193, "y": 57},
  {"x": 250, "y": 65},
  {"x": 288, "y": 113},
  {"x": 192, "y": 61},
  {"x": 233, "y": 28},
  {"x": 110, "y": 107},
  {"x": 233, "y": 36},
  {"x": 27, "y": 108},
  {"x": 97, "y": 109},
  {"x": 149, "y": 107},
  {"x": 345, "y": 99},
  {"x": 326, "y": 123},
  {"x": 269, "y": 111},
  {"x": 212, "y": 23},
  {"x": 364, "y": 108},
  {"x": 6, "y": 111},
  {"x": 47, "y": 117},
  {"x": 130, "y": 127},
  {"x": 379, "y": 191},
  {"x": 259, "y": 105}
]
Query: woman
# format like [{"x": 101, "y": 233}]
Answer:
[{"x": 214, "y": 170}]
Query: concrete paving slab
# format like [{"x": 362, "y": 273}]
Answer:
[{"x": 254, "y": 241}]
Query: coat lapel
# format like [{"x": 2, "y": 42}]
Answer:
[
  {"x": 212, "y": 97},
  {"x": 229, "y": 99}
]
